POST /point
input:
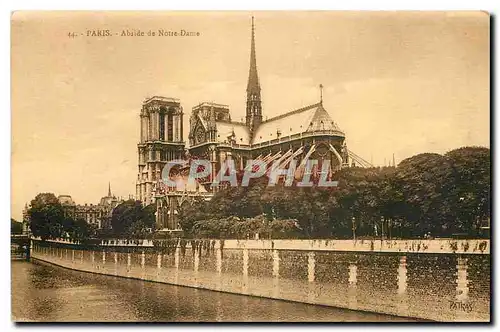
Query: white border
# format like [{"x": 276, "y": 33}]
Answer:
[{"x": 5, "y": 142}]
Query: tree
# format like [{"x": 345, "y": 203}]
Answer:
[
  {"x": 16, "y": 227},
  {"x": 80, "y": 230},
  {"x": 250, "y": 202},
  {"x": 293, "y": 203},
  {"x": 357, "y": 200},
  {"x": 468, "y": 193},
  {"x": 424, "y": 181},
  {"x": 426, "y": 193},
  {"x": 124, "y": 215},
  {"x": 137, "y": 230},
  {"x": 239, "y": 201},
  {"x": 149, "y": 216},
  {"x": 215, "y": 228},
  {"x": 284, "y": 229},
  {"x": 192, "y": 211},
  {"x": 46, "y": 216},
  {"x": 130, "y": 219},
  {"x": 68, "y": 225}
]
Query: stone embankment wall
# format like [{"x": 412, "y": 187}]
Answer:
[{"x": 443, "y": 280}]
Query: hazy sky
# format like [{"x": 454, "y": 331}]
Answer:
[{"x": 401, "y": 83}]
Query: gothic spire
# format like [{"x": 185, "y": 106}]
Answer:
[
  {"x": 253, "y": 79},
  {"x": 109, "y": 189},
  {"x": 254, "y": 106}
]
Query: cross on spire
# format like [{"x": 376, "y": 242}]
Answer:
[{"x": 321, "y": 93}]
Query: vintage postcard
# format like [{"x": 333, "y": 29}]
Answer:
[{"x": 285, "y": 166}]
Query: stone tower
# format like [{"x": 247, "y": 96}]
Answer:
[{"x": 161, "y": 141}]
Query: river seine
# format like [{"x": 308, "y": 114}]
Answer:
[{"x": 46, "y": 293}]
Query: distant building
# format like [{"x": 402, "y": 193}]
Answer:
[{"x": 96, "y": 214}]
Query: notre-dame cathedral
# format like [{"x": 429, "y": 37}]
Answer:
[{"x": 307, "y": 132}]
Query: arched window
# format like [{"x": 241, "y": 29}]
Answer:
[
  {"x": 162, "y": 125},
  {"x": 170, "y": 127}
]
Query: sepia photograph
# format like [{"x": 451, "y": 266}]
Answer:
[{"x": 250, "y": 166}]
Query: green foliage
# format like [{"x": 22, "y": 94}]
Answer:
[
  {"x": 245, "y": 228},
  {"x": 46, "y": 216},
  {"x": 283, "y": 229},
  {"x": 129, "y": 219},
  {"x": 423, "y": 181},
  {"x": 104, "y": 233},
  {"x": 427, "y": 193},
  {"x": 15, "y": 226},
  {"x": 192, "y": 211},
  {"x": 149, "y": 215},
  {"x": 469, "y": 189},
  {"x": 48, "y": 220},
  {"x": 80, "y": 230}
]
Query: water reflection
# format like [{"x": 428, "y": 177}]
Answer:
[{"x": 46, "y": 293}]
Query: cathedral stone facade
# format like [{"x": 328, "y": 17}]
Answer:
[
  {"x": 161, "y": 140},
  {"x": 301, "y": 134}
]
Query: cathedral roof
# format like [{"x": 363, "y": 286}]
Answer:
[
  {"x": 307, "y": 119},
  {"x": 313, "y": 118},
  {"x": 226, "y": 129}
]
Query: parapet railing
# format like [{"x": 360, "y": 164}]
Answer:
[
  {"x": 424, "y": 246},
  {"x": 284, "y": 139}
]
